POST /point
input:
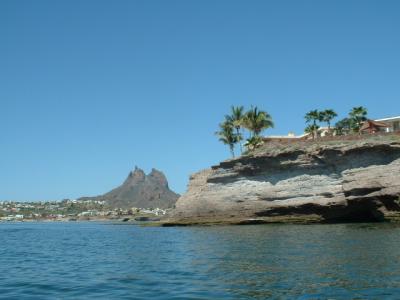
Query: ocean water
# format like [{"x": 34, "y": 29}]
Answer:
[{"x": 104, "y": 261}]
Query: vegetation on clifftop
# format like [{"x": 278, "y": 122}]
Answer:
[
  {"x": 231, "y": 130},
  {"x": 254, "y": 121}
]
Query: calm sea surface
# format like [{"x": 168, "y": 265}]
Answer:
[{"x": 103, "y": 261}]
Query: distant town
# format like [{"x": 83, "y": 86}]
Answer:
[{"x": 73, "y": 210}]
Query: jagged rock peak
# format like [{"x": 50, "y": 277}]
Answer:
[
  {"x": 159, "y": 177},
  {"x": 136, "y": 175},
  {"x": 140, "y": 190}
]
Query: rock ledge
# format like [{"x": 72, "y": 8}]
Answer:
[{"x": 304, "y": 182}]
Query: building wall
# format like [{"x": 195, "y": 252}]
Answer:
[{"x": 394, "y": 125}]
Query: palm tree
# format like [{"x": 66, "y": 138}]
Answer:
[
  {"x": 311, "y": 129},
  {"x": 358, "y": 115},
  {"x": 257, "y": 120},
  {"x": 314, "y": 116},
  {"x": 327, "y": 116},
  {"x": 237, "y": 118},
  {"x": 227, "y": 136},
  {"x": 343, "y": 126}
]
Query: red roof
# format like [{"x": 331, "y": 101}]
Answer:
[{"x": 373, "y": 125}]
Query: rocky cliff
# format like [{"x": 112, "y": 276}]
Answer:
[
  {"x": 321, "y": 181},
  {"x": 140, "y": 190}
]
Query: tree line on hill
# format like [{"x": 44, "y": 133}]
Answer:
[
  {"x": 351, "y": 124},
  {"x": 232, "y": 130}
]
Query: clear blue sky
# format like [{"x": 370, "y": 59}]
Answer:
[{"x": 89, "y": 89}]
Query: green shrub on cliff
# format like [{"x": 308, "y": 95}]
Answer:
[
  {"x": 312, "y": 129},
  {"x": 343, "y": 127},
  {"x": 254, "y": 143}
]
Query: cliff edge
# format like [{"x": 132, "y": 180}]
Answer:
[{"x": 322, "y": 181}]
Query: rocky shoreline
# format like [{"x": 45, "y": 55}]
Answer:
[{"x": 299, "y": 182}]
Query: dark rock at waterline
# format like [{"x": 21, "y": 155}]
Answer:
[{"x": 147, "y": 219}]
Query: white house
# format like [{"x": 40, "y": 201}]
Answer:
[
  {"x": 322, "y": 131},
  {"x": 393, "y": 122}
]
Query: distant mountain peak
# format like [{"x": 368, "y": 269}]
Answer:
[
  {"x": 159, "y": 177},
  {"x": 137, "y": 175},
  {"x": 141, "y": 190}
]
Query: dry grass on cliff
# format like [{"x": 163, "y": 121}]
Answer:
[{"x": 274, "y": 147}]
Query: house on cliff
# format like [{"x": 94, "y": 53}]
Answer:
[
  {"x": 371, "y": 126},
  {"x": 393, "y": 123},
  {"x": 381, "y": 125},
  {"x": 322, "y": 131}
]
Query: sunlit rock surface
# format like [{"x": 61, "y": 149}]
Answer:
[{"x": 321, "y": 181}]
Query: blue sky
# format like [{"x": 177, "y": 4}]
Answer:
[{"x": 89, "y": 89}]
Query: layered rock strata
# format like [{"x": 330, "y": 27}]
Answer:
[{"x": 348, "y": 181}]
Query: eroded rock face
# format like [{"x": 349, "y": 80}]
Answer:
[{"x": 314, "y": 182}]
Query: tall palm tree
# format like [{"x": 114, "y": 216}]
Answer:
[
  {"x": 314, "y": 116},
  {"x": 327, "y": 116},
  {"x": 237, "y": 119},
  {"x": 227, "y": 136},
  {"x": 257, "y": 120},
  {"x": 358, "y": 115}
]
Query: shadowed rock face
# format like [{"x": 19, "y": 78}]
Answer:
[
  {"x": 315, "y": 182},
  {"x": 140, "y": 190}
]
